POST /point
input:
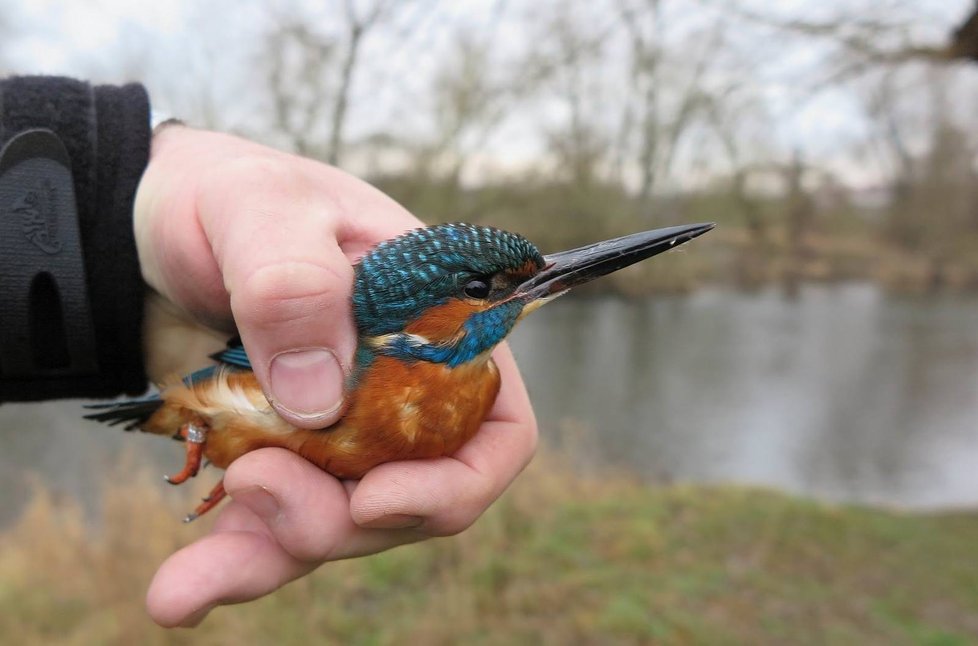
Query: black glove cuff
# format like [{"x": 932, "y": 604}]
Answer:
[{"x": 71, "y": 295}]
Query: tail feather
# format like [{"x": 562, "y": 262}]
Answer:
[{"x": 132, "y": 413}]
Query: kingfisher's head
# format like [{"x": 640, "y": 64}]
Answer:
[{"x": 450, "y": 292}]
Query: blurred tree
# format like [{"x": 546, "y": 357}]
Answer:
[
  {"x": 867, "y": 39},
  {"x": 964, "y": 39},
  {"x": 568, "y": 62},
  {"x": 311, "y": 74},
  {"x": 940, "y": 209},
  {"x": 800, "y": 214},
  {"x": 471, "y": 95},
  {"x": 658, "y": 112},
  {"x": 926, "y": 140},
  {"x": 357, "y": 27},
  {"x": 298, "y": 60},
  {"x": 469, "y": 99}
]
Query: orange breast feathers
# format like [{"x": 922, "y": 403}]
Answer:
[
  {"x": 399, "y": 411},
  {"x": 406, "y": 411}
]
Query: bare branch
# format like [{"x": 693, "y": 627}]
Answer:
[
  {"x": 297, "y": 103},
  {"x": 863, "y": 40},
  {"x": 964, "y": 40}
]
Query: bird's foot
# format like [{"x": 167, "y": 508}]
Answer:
[
  {"x": 195, "y": 436},
  {"x": 209, "y": 502}
]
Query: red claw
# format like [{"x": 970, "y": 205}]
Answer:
[
  {"x": 194, "y": 440},
  {"x": 216, "y": 495}
]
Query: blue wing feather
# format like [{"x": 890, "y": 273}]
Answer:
[
  {"x": 198, "y": 376},
  {"x": 233, "y": 355}
]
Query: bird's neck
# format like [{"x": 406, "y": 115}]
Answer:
[
  {"x": 411, "y": 348},
  {"x": 436, "y": 338}
]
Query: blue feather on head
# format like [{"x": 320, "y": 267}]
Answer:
[{"x": 400, "y": 279}]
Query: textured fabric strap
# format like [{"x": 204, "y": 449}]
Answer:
[
  {"x": 46, "y": 329},
  {"x": 70, "y": 288}
]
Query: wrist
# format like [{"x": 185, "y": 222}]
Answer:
[
  {"x": 176, "y": 248},
  {"x": 155, "y": 192}
]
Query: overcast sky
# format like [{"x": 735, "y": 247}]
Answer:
[{"x": 199, "y": 58}]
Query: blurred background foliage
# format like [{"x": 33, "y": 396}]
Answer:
[
  {"x": 799, "y": 128},
  {"x": 821, "y": 341}
]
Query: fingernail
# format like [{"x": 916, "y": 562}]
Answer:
[
  {"x": 307, "y": 383},
  {"x": 259, "y": 500},
  {"x": 395, "y": 521}
]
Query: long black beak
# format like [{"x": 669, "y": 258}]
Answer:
[{"x": 568, "y": 269}]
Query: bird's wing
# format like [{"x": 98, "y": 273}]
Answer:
[
  {"x": 233, "y": 355},
  {"x": 134, "y": 412}
]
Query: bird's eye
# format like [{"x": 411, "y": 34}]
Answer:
[{"x": 476, "y": 288}]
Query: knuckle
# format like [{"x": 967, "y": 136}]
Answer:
[
  {"x": 393, "y": 498},
  {"x": 452, "y": 526},
  {"x": 463, "y": 512},
  {"x": 289, "y": 291},
  {"x": 446, "y": 529},
  {"x": 308, "y": 548},
  {"x": 533, "y": 439}
]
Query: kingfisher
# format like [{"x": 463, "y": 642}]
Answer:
[{"x": 429, "y": 307}]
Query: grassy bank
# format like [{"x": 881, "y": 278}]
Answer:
[{"x": 561, "y": 559}]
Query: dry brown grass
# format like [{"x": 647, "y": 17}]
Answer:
[{"x": 562, "y": 558}]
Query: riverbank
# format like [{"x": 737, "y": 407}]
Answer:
[
  {"x": 762, "y": 241},
  {"x": 728, "y": 256},
  {"x": 560, "y": 559}
]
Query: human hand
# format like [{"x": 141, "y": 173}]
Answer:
[{"x": 231, "y": 233}]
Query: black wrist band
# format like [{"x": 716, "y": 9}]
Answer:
[
  {"x": 46, "y": 330},
  {"x": 71, "y": 294}
]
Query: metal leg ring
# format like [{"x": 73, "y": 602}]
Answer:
[{"x": 195, "y": 435}]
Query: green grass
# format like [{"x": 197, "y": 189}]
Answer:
[{"x": 560, "y": 559}]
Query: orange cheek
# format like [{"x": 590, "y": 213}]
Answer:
[{"x": 444, "y": 321}]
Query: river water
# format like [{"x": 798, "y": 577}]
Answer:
[{"x": 841, "y": 393}]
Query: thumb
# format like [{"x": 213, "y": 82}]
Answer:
[
  {"x": 289, "y": 285},
  {"x": 293, "y": 318}
]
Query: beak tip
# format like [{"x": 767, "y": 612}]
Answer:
[
  {"x": 683, "y": 234},
  {"x": 566, "y": 269},
  {"x": 695, "y": 231}
]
